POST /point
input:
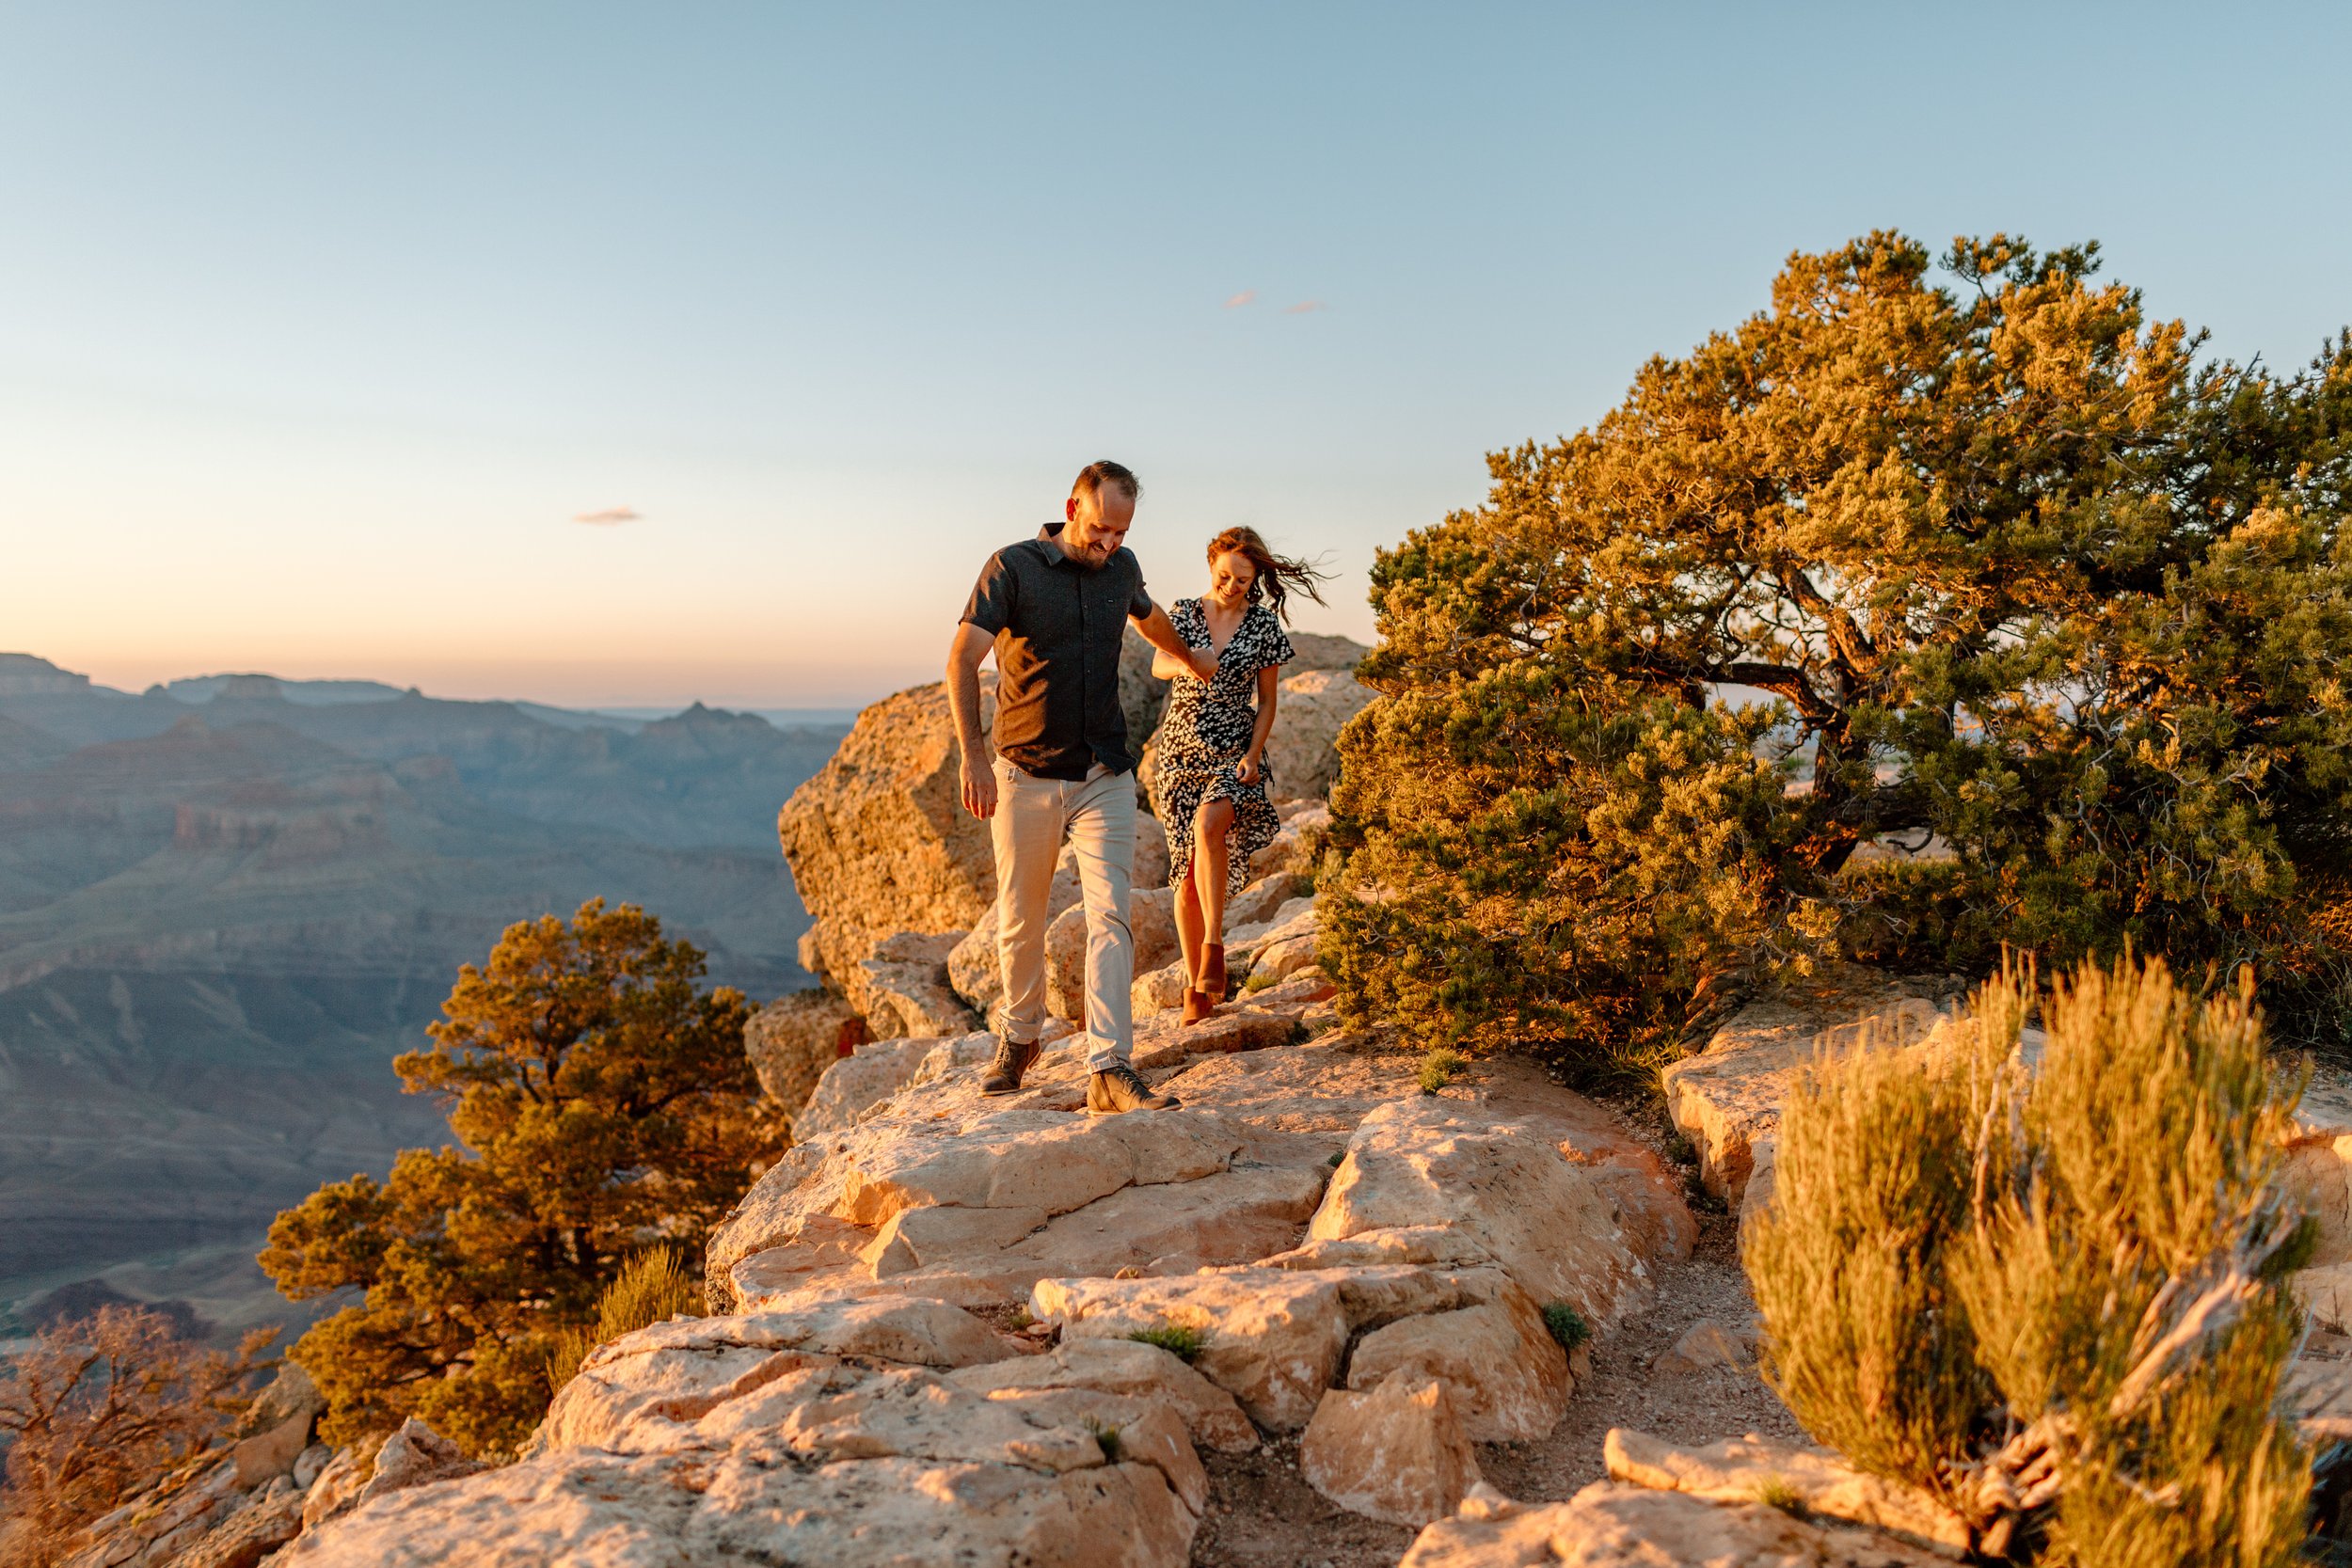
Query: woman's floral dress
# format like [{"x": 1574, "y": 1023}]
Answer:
[{"x": 1206, "y": 731}]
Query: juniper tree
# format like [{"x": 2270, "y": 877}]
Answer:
[
  {"x": 2020, "y": 572},
  {"x": 602, "y": 1104}
]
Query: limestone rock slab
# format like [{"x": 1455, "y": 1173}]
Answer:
[
  {"x": 1507, "y": 1376},
  {"x": 1395, "y": 1454},
  {"x": 852, "y": 1085},
  {"x": 1729, "y": 1095},
  {"x": 1127, "y": 1367},
  {"x": 1550, "y": 1223},
  {"x": 1737, "y": 1469},
  {"x": 1274, "y": 1337},
  {"x": 1609, "y": 1525}
]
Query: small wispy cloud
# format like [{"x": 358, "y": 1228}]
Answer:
[
  {"x": 611, "y": 516},
  {"x": 1241, "y": 298},
  {"x": 1305, "y": 307}
]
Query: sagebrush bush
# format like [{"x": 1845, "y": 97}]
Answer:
[
  {"x": 2052, "y": 1291},
  {"x": 2022, "y": 574},
  {"x": 652, "y": 1288},
  {"x": 1868, "y": 1342}
]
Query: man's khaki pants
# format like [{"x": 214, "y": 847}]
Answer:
[{"x": 1098, "y": 815}]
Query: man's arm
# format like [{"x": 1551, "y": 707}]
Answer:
[
  {"x": 1160, "y": 632},
  {"x": 964, "y": 655}
]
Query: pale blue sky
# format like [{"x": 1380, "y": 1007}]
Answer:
[{"x": 323, "y": 321}]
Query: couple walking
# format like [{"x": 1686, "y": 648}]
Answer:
[{"x": 1055, "y": 609}]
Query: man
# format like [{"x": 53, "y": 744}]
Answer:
[{"x": 1056, "y": 609}]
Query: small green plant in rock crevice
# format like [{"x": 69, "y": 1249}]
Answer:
[
  {"x": 1776, "y": 1492},
  {"x": 1110, "y": 1438},
  {"x": 1568, "y": 1324},
  {"x": 1180, "y": 1340},
  {"x": 1440, "y": 1068}
]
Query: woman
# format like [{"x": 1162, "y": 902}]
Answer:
[{"x": 1209, "y": 773}]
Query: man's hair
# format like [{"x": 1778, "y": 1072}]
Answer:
[{"x": 1094, "y": 476}]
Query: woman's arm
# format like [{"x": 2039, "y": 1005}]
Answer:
[{"x": 1269, "y": 681}]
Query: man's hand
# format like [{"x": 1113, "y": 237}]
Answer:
[
  {"x": 980, "y": 789},
  {"x": 1161, "y": 633}
]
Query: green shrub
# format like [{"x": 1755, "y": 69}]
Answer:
[
  {"x": 2052, "y": 1296},
  {"x": 652, "y": 1288},
  {"x": 1178, "y": 1340},
  {"x": 1439, "y": 1068},
  {"x": 1257, "y": 983},
  {"x": 2020, "y": 574},
  {"x": 1111, "y": 1439},
  {"x": 1568, "y": 1324}
]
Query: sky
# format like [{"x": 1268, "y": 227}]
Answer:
[{"x": 326, "y": 325}]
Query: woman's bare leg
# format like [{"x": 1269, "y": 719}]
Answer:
[
  {"x": 1189, "y": 927},
  {"x": 1209, "y": 827}
]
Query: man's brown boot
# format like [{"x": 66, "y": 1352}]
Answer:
[
  {"x": 1123, "y": 1088},
  {"x": 1012, "y": 1059}
]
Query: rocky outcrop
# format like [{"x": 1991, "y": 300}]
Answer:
[
  {"x": 1309, "y": 715},
  {"x": 1279, "y": 1228},
  {"x": 793, "y": 1040},
  {"x": 836, "y": 1434},
  {"x": 879, "y": 841},
  {"x": 902, "y": 990}
]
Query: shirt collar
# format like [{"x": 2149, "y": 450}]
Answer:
[{"x": 1049, "y": 546}]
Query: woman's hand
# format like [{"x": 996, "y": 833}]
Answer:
[{"x": 1247, "y": 768}]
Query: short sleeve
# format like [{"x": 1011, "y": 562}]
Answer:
[
  {"x": 992, "y": 602},
  {"x": 1139, "y": 601},
  {"x": 1279, "y": 649}
]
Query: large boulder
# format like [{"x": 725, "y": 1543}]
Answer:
[
  {"x": 1395, "y": 1454},
  {"x": 902, "y": 990},
  {"x": 1309, "y": 715},
  {"x": 1554, "y": 1225},
  {"x": 793, "y": 1040},
  {"x": 879, "y": 841}
]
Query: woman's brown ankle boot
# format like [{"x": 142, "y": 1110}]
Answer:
[
  {"x": 1197, "y": 1005},
  {"x": 1212, "y": 971}
]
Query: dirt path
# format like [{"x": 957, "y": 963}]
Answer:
[{"x": 1262, "y": 1515}]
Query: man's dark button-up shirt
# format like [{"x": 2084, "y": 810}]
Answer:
[{"x": 1058, "y": 629}]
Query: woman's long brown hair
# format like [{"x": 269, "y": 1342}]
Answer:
[{"x": 1277, "y": 574}]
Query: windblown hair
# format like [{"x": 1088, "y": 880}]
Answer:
[
  {"x": 1277, "y": 574},
  {"x": 1118, "y": 476}
]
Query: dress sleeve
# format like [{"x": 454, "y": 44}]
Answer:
[
  {"x": 1279, "y": 649},
  {"x": 993, "y": 598}
]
